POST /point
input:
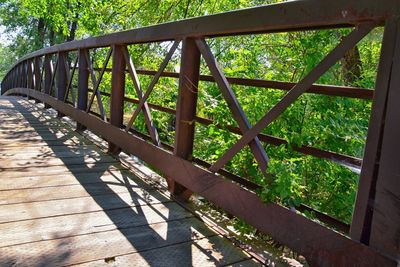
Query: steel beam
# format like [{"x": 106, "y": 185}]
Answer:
[
  {"x": 321, "y": 89},
  {"x": 30, "y": 74},
  {"x": 83, "y": 83},
  {"x": 24, "y": 74},
  {"x": 377, "y": 211},
  {"x": 385, "y": 227},
  {"x": 61, "y": 78},
  {"x": 48, "y": 73},
  {"x": 37, "y": 73},
  {"x": 332, "y": 90},
  {"x": 281, "y": 17},
  {"x": 117, "y": 93},
  {"x": 362, "y": 215},
  {"x": 186, "y": 111}
]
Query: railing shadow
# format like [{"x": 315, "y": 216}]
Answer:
[{"x": 142, "y": 234}]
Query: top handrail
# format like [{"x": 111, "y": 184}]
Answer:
[{"x": 280, "y": 17}]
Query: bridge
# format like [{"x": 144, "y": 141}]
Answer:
[{"x": 65, "y": 201}]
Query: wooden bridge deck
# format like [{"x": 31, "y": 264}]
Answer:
[{"x": 63, "y": 201}]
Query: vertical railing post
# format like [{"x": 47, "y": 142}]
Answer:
[
  {"x": 29, "y": 74},
  {"x": 16, "y": 76},
  {"x": 83, "y": 81},
  {"x": 48, "y": 72},
  {"x": 117, "y": 92},
  {"x": 26, "y": 66},
  {"x": 13, "y": 78},
  {"x": 186, "y": 111},
  {"x": 36, "y": 73},
  {"x": 385, "y": 226},
  {"x": 23, "y": 74},
  {"x": 377, "y": 210},
  {"x": 61, "y": 79},
  {"x": 19, "y": 75}
]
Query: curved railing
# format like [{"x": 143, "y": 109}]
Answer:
[{"x": 48, "y": 76}]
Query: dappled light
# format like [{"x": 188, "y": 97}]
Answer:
[{"x": 62, "y": 197}]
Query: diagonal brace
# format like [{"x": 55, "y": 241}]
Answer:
[
  {"x": 336, "y": 54},
  {"x": 71, "y": 76},
  {"x": 96, "y": 84},
  {"x": 233, "y": 104},
  {"x": 146, "y": 111},
  {"x": 53, "y": 76},
  {"x": 152, "y": 84}
]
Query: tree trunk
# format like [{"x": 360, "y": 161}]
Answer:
[
  {"x": 51, "y": 37},
  {"x": 352, "y": 66},
  {"x": 41, "y": 30},
  {"x": 74, "y": 24}
]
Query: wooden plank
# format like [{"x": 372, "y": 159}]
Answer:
[
  {"x": 35, "y": 143},
  {"x": 86, "y": 223},
  {"x": 58, "y": 170},
  {"x": 41, "y": 125},
  {"x": 51, "y": 208},
  {"x": 56, "y": 215},
  {"x": 10, "y": 150},
  {"x": 98, "y": 246},
  {"x": 213, "y": 251},
  {"x": 98, "y": 188},
  {"x": 45, "y": 162},
  {"x": 32, "y": 118},
  {"x": 43, "y": 154},
  {"x": 38, "y": 130},
  {"x": 89, "y": 177}
]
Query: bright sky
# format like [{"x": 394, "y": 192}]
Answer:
[{"x": 3, "y": 37}]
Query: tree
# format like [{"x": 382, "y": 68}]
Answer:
[{"x": 7, "y": 59}]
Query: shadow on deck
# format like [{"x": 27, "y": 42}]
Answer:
[{"x": 64, "y": 201}]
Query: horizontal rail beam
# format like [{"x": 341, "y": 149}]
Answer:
[
  {"x": 281, "y": 17},
  {"x": 341, "y": 159},
  {"x": 321, "y": 89},
  {"x": 331, "y": 90}
]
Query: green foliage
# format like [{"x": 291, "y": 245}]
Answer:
[{"x": 6, "y": 60}]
